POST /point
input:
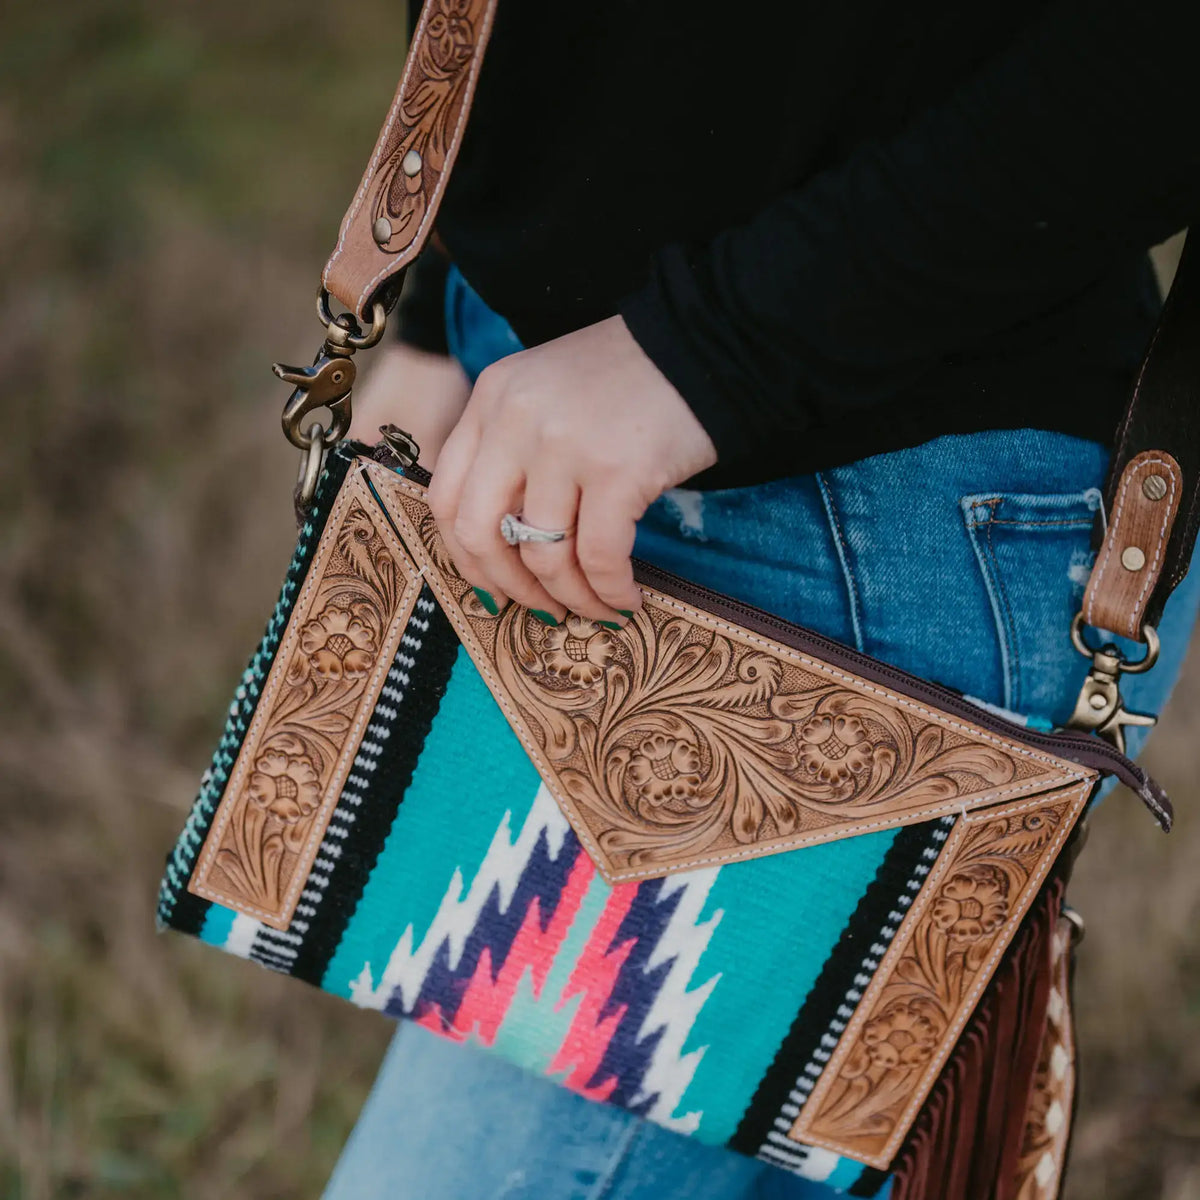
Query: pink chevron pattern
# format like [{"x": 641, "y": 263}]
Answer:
[
  {"x": 486, "y": 1001},
  {"x": 593, "y": 979}
]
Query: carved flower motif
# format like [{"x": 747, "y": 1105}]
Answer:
[
  {"x": 902, "y": 1036},
  {"x": 338, "y": 645},
  {"x": 449, "y": 33},
  {"x": 287, "y": 787},
  {"x": 834, "y": 747},
  {"x": 972, "y": 903},
  {"x": 578, "y": 650},
  {"x": 665, "y": 768}
]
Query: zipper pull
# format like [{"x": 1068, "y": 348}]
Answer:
[{"x": 400, "y": 445}]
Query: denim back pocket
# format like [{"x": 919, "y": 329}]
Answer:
[{"x": 1034, "y": 552}]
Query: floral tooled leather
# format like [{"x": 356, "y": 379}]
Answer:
[
  {"x": 392, "y": 214},
  {"x": 943, "y": 955},
  {"x": 332, "y": 661},
  {"x": 682, "y": 740}
]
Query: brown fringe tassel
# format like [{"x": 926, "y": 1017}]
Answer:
[{"x": 967, "y": 1142}]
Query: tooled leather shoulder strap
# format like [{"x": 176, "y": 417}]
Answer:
[
  {"x": 392, "y": 213},
  {"x": 1153, "y": 493}
]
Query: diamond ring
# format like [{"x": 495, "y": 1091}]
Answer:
[{"x": 514, "y": 531}]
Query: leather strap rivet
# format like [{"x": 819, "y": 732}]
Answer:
[
  {"x": 411, "y": 164},
  {"x": 381, "y": 231},
  {"x": 1133, "y": 558},
  {"x": 1154, "y": 487}
]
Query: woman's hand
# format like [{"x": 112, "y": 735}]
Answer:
[
  {"x": 582, "y": 433},
  {"x": 423, "y": 393}
]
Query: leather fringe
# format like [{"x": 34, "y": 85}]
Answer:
[{"x": 967, "y": 1142}]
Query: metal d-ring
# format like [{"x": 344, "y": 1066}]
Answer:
[
  {"x": 1136, "y": 666},
  {"x": 342, "y": 334}
]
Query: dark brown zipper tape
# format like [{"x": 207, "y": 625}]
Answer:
[{"x": 1085, "y": 749}]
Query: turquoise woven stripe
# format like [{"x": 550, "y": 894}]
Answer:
[
  {"x": 471, "y": 771},
  {"x": 218, "y": 921},
  {"x": 245, "y": 701},
  {"x": 781, "y": 918}
]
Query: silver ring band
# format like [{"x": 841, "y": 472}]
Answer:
[{"x": 514, "y": 531}]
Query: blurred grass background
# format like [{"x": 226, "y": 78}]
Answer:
[{"x": 171, "y": 177}]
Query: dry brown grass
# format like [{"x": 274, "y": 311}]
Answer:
[{"x": 169, "y": 177}]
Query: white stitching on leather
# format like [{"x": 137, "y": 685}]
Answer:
[
  {"x": 388, "y": 479},
  {"x": 1049, "y": 857},
  {"x": 1114, "y": 533},
  {"x": 1069, "y": 772},
  {"x": 836, "y": 833},
  {"x": 1158, "y": 548},
  {"x": 352, "y": 491},
  {"x": 369, "y": 173},
  {"x": 882, "y": 973},
  {"x": 434, "y": 199}
]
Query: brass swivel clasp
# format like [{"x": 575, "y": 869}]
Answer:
[
  {"x": 327, "y": 384},
  {"x": 1100, "y": 708}
]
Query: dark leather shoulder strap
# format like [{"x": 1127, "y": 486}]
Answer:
[
  {"x": 1153, "y": 493},
  {"x": 393, "y": 211}
]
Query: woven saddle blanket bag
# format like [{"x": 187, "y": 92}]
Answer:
[{"x": 711, "y": 867}]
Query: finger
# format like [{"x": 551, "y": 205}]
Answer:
[
  {"x": 604, "y": 546},
  {"x": 494, "y": 487},
  {"x": 445, "y": 494},
  {"x": 551, "y": 502}
]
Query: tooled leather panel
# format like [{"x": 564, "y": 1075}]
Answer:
[
  {"x": 332, "y": 662},
  {"x": 683, "y": 740},
  {"x": 1119, "y": 588},
  {"x": 925, "y": 989},
  {"x": 1048, "y": 1116},
  {"x": 407, "y": 173}
]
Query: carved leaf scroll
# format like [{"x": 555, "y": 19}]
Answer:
[
  {"x": 417, "y": 154},
  {"x": 680, "y": 741},
  {"x": 944, "y": 953},
  {"x": 332, "y": 661}
]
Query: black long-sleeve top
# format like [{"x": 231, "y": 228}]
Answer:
[{"x": 838, "y": 226}]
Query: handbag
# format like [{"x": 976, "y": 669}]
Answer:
[{"x": 715, "y": 868}]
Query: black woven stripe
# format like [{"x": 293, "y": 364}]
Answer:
[
  {"x": 177, "y": 907},
  {"x": 869, "y": 1183},
  {"x": 189, "y": 912},
  {"x": 837, "y": 977},
  {"x": 393, "y": 773}
]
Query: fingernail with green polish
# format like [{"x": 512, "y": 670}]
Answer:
[
  {"x": 485, "y": 598},
  {"x": 625, "y": 612},
  {"x": 609, "y": 624},
  {"x": 544, "y": 617}
]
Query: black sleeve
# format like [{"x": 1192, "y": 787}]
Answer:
[
  {"x": 1076, "y": 145},
  {"x": 420, "y": 318}
]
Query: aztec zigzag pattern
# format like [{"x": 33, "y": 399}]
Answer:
[{"x": 538, "y": 938}]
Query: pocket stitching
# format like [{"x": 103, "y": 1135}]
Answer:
[
  {"x": 999, "y": 601},
  {"x": 1012, "y": 664}
]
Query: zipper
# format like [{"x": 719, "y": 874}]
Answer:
[{"x": 1082, "y": 748}]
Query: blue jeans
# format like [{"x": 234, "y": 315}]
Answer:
[{"x": 962, "y": 560}]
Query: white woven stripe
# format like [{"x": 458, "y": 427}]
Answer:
[
  {"x": 343, "y": 817},
  {"x": 807, "y": 1080}
]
